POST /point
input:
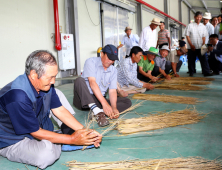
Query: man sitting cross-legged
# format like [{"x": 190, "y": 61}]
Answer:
[
  {"x": 127, "y": 73},
  {"x": 26, "y": 131},
  {"x": 146, "y": 65},
  {"x": 98, "y": 76}
]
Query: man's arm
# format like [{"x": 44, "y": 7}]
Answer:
[
  {"x": 203, "y": 38},
  {"x": 164, "y": 74},
  {"x": 144, "y": 73},
  {"x": 96, "y": 91},
  {"x": 121, "y": 45},
  {"x": 141, "y": 42},
  {"x": 79, "y": 137},
  {"x": 113, "y": 101},
  {"x": 66, "y": 117},
  {"x": 157, "y": 43},
  {"x": 191, "y": 45},
  {"x": 169, "y": 42}
]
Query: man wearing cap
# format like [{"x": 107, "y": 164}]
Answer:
[
  {"x": 174, "y": 57},
  {"x": 209, "y": 26},
  {"x": 162, "y": 66},
  {"x": 163, "y": 36},
  {"x": 148, "y": 35},
  {"x": 90, "y": 89},
  {"x": 129, "y": 40},
  {"x": 146, "y": 65},
  {"x": 127, "y": 73}
]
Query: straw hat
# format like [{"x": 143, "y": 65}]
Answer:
[
  {"x": 156, "y": 21},
  {"x": 207, "y": 15},
  {"x": 128, "y": 28}
]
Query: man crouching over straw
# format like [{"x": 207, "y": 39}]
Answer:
[
  {"x": 127, "y": 73},
  {"x": 26, "y": 131},
  {"x": 98, "y": 76}
]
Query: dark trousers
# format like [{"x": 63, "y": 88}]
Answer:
[
  {"x": 82, "y": 97},
  {"x": 168, "y": 68},
  {"x": 192, "y": 61},
  {"x": 215, "y": 65}
]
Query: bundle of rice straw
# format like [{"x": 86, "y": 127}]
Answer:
[
  {"x": 112, "y": 126},
  {"x": 178, "y": 87},
  {"x": 190, "y": 163},
  {"x": 159, "y": 121},
  {"x": 194, "y": 78},
  {"x": 178, "y": 81},
  {"x": 166, "y": 98}
]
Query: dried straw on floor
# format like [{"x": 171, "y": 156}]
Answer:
[
  {"x": 166, "y": 98},
  {"x": 194, "y": 78},
  {"x": 159, "y": 121},
  {"x": 112, "y": 126},
  {"x": 179, "y": 87},
  {"x": 178, "y": 81},
  {"x": 190, "y": 163}
]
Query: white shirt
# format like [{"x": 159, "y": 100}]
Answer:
[
  {"x": 130, "y": 42},
  {"x": 210, "y": 30},
  {"x": 196, "y": 33},
  {"x": 148, "y": 38}
]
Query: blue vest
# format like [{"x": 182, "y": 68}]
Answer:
[{"x": 7, "y": 134}]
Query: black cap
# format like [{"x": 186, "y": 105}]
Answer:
[
  {"x": 182, "y": 43},
  {"x": 111, "y": 51}
]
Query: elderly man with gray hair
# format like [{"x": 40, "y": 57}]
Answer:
[{"x": 26, "y": 131}]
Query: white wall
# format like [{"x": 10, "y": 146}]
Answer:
[
  {"x": 159, "y": 4},
  {"x": 184, "y": 14},
  {"x": 26, "y": 26},
  {"x": 89, "y": 34},
  {"x": 173, "y": 8}
]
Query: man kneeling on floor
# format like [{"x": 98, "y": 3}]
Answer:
[
  {"x": 146, "y": 65},
  {"x": 162, "y": 66},
  {"x": 26, "y": 131},
  {"x": 98, "y": 76},
  {"x": 127, "y": 73},
  {"x": 215, "y": 54}
]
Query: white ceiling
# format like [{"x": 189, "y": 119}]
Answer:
[{"x": 212, "y": 6}]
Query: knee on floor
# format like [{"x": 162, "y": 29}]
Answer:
[{"x": 48, "y": 155}]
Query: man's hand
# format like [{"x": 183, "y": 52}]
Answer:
[
  {"x": 107, "y": 109},
  {"x": 176, "y": 75},
  {"x": 148, "y": 86},
  {"x": 154, "y": 79},
  {"x": 192, "y": 47},
  {"x": 115, "y": 113},
  {"x": 86, "y": 137},
  {"x": 97, "y": 142},
  {"x": 210, "y": 48},
  {"x": 168, "y": 77}
]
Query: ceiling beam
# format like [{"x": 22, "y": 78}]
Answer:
[
  {"x": 188, "y": 4},
  {"x": 202, "y": 8},
  {"x": 205, "y": 5}
]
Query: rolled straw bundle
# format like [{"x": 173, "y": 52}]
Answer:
[
  {"x": 190, "y": 163},
  {"x": 159, "y": 121},
  {"x": 166, "y": 98},
  {"x": 194, "y": 78},
  {"x": 176, "y": 81},
  {"x": 178, "y": 87}
]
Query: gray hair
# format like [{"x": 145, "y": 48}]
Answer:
[{"x": 38, "y": 60}]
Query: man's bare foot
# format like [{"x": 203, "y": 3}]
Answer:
[{"x": 123, "y": 93}]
